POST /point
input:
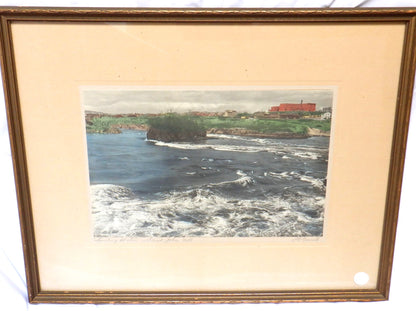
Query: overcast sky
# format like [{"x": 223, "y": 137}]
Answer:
[{"x": 174, "y": 100}]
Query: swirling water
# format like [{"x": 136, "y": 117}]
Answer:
[{"x": 224, "y": 186}]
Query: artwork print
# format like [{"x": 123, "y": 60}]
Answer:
[{"x": 207, "y": 162}]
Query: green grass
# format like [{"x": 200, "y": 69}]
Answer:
[
  {"x": 267, "y": 126},
  {"x": 177, "y": 123},
  {"x": 103, "y": 124}
]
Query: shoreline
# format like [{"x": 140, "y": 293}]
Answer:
[
  {"x": 256, "y": 134},
  {"x": 312, "y": 132}
]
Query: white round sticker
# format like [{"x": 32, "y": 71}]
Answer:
[{"x": 361, "y": 278}]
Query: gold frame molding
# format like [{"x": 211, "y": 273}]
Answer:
[{"x": 202, "y": 16}]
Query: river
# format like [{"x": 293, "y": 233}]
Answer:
[{"x": 224, "y": 186}]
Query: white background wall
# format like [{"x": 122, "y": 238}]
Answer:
[{"x": 12, "y": 277}]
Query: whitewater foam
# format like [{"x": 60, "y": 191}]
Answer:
[
  {"x": 286, "y": 150},
  {"x": 198, "y": 212},
  {"x": 244, "y": 180}
]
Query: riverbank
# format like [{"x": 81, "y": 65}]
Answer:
[
  {"x": 318, "y": 132},
  {"x": 256, "y": 134},
  {"x": 117, "y": 128},
  {"x": 260, "y": 128},
  {"x": 312, "y": 132}
]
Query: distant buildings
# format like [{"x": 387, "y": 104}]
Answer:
[
  {"x": 230, "y": 113},
  {"x": 326, "y": 116},
  {"x": 204, "y": 114},
  {"x": 309, "y": 107},
  {"x": 260, "y": 114},
  {"x": 296, "y": 111},
  {"x": 326, "y": 109}
]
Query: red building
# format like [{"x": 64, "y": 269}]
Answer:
[{"x": 294, "y": 107}]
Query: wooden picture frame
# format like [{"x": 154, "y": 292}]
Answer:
[{"x": 367, "y": 56}]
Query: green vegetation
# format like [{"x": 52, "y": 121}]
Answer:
[
  {"x": 177, "y": 123},
  {"x": 267, "y": 126},
  {"x": 104, "y": 124}
]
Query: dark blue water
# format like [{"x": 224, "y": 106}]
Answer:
[{"x": 222, "y": 186}]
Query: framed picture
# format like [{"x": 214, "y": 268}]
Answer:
[{"x": 199, "y": 156}]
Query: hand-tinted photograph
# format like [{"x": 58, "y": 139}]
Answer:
[{"x": 207, "y": 162}]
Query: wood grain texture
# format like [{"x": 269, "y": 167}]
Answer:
[
  {"x": 211, "y": 15},
  {"x": 19, "y": 158},
  {"x": 208, "y": 297},
  {"x": 398, "y": 152},
  {"x": 235, "y": 16}
]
